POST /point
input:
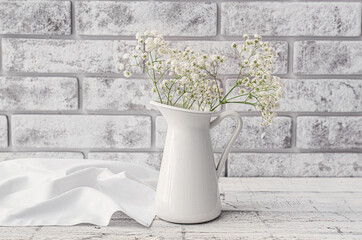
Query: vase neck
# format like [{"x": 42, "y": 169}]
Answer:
[{"x": 180, "y": 118}]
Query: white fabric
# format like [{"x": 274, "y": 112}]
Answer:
[{"x": 71, "y": 191}]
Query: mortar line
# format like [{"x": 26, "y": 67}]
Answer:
[
  {"x": 291, "y": 73},
  {"x": 1, "y": 56},
  {"x": 218, "y": 19},
  {"x": 217, "y": 38},
  {"x": 111, "y": 112},
  {"x": 81, "y": 106},
  {"x": 217, "y": 1},
  {"x": 144, "y": 76},
  {"x": 160, "y": 150},
  {"x": 73, "y": 26},
  {"x": 153, "y": 132},
  {"x": 9, "y": 131}
]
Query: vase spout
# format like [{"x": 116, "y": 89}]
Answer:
[{"x": 184, "y": 118}]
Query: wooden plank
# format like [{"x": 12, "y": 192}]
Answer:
[
  {"x": 292, "y": 201},
  {"x": 292, "y": 184},
  {"x": 255, "y": 208},
  {"x": 239, "y": 224}
]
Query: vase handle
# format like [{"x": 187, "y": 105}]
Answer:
[{"x": 227, "y": 149}]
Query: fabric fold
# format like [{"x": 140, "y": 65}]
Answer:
[{"x": 71, "y": 191}]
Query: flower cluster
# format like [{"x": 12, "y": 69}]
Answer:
[
  {"x": 255, "y": 84},
  {"x": 189, "y": 78}
]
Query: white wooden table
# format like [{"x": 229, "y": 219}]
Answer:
[{"x": 253, "y": 208}]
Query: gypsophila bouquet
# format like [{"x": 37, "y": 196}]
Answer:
[{"x": 189, "y": 79}]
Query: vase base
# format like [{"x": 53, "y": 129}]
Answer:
[{"x": 191, "y": 220}]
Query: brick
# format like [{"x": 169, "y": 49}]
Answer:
[
  {"x": 3, "y": 131},
  {"x": 295, "y": 165},
  {"x": 145, "y": 159},
  {"x": 27, "y": 17},
  {"x": 4, "y": 156},
  {"x": 231, "y": 66},
  {"x": 81, "y": 131},
  {"x": 314, "y": 95},
  {"x": 327, "y": 57},
  {"x": 277, "y": 136},
  {"x": 126, "y": 18},
  {"x": 322, "y": 95},
  {"x": 38, "y": 93},
  {"x": 329, "y": 132},
  {"x": 117, "y": 94},
  {"x": 291, "y": 19},
  {"x": 55, "y": 55}
]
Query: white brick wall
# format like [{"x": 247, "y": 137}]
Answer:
[{"x": 62, "y": 95}]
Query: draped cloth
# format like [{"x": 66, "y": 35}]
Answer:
[{"x": 71, "y": 191}]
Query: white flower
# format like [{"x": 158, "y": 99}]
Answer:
[
  {"x": 186, "y": 65},
  {"x": 178, "y": 71},
  {"x": 214, "y": 57},
  {"x": 156, "y": 65},
  {"x": 246, "y": 36},
  {"x": 192, "y": 74},
  {"x": 126, "y": 56},
  {"x": 121, "y": 66},
  {"x": 138, "y": 36},
  {"x": 173, "y": 63},
  {"x": 195, "y": 76},
  {"x": 257, "y": 36},
  {"x": 138, "y": 48},
  {"x": 157, "y": 40},
  {"x": 162, "y": 51},
  {"x": 127, "y": 74},
  {"x": 149, "y": 47}
]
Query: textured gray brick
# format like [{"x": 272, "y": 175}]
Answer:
[
  {"x": 81, "y": 131},
  {"x": 145, "y": 159},
  {"x": 38, "y": 93},
  {"x": 329, "y": 132},
  {"x": 291, "y": 19},
  {"x": 327, "y": 57},
  {"x": 295, "y": 165},
  {"x": 315, "y": 95},
  {"x": 231, "y": 66},
  {"x": 126, "y": 18},
  {"x": 3, "y": 131},
  {"x": 44, "y": 55},
  {"x": 117, "y": 94},
  {"x": 4, "y": 156},
  {"x": 29, "y": 17},
  {"x": 276, "y": 136},
  {"x": 322, "y": 95}
]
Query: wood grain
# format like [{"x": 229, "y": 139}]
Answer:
[{"x": 253, "y": 208}]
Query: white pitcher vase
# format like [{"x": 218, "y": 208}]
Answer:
[{"x": 187, "y": 190}]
